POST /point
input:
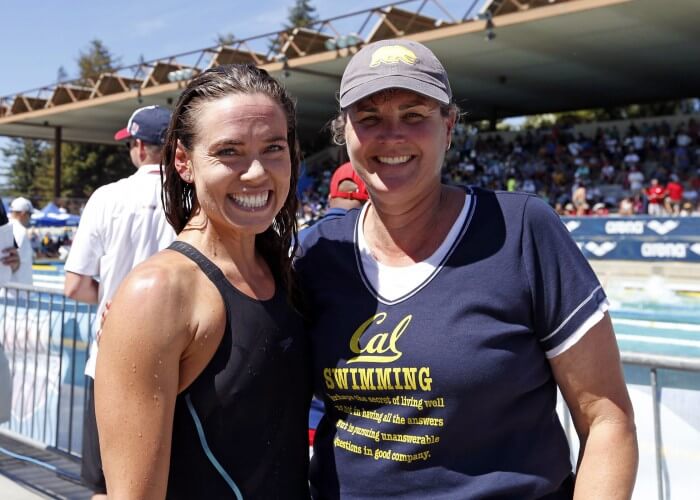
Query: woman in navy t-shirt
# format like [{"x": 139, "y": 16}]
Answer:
[{"x": 445, "y": 318}]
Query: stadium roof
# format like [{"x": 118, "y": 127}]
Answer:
[{"x": 546, "y": 56}]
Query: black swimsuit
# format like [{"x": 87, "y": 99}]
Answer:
[{"x": 240, "y": 429}]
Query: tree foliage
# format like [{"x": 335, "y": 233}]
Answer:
[
  {"x": 628, "y": 112},
  {"x": 97, "y": 59},
  {"x": 29, "y": 160},
  {"x": 301, "y": 14},
  {"x": 225, "y": 38},
  {"x": 85, "y": 167},
  {"x": 89, "y": 166}
]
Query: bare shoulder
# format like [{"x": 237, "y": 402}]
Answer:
[
  {"x": 156, "y": 298},
  {"x": 164, "y": 276}
]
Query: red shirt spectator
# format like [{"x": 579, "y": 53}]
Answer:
[
  {"x": 655, "y": 196},
  {"x": 656, "y": 192},
  {"x": 675, "y": 190}
]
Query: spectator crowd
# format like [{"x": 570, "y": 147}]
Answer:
[{"x": 646, "y": 169}]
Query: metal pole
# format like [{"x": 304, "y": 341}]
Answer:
[
  {"x": 657, "y": 433},
  {"x": 57, "y": 163},
  {"x": 35, "y": 384},
  {"x": 60, "y": 372},
  {"x": 48, "y": 361},
  {"x": 72, "y": 377}
]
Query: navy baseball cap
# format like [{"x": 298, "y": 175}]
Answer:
[
  {"x": 388, "y": 64},
  {"x": 148, "y": 124}
]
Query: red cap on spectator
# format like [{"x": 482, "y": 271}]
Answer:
[{"x": 345, "y": 172}]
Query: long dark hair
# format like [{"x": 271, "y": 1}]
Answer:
[{"x": 179, "y": 197}]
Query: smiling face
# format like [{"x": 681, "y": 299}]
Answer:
[
  {"x": 397, "y": 141},
  {"x": 240, "y": 161}
]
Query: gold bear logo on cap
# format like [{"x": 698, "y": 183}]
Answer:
[{"x": 392, "y": 54}]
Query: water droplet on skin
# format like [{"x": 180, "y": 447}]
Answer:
[{"x": 155, "y": 375}]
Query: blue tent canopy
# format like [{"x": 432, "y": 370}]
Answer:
[{"x": 52, "y": 215}]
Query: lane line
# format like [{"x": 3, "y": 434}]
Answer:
[
  {"x": 688, "y": 327},
  {"x": 658, "y": 340}
]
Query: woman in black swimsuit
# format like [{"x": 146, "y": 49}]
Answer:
[{"x": 201, "y": 384}]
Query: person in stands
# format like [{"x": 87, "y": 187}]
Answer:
[{"x": 656, "y": 194}]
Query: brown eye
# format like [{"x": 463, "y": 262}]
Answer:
[
  {"x": 226, "y": 152},
  {"x": 368, "y": 120}
]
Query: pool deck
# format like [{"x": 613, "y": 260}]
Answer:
[{"x": 676, "y": 275}]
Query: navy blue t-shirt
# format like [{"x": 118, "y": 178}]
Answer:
[{"x": 447, "y": 391}]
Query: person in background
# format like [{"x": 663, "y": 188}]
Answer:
[
  {"x": 122, "y": 224},
  {"x": 347, "y": 192},
  {"x": 626, "y": 207},
  {"x": 461, "y": 311},
  {"x": 600, "y": 210},
  {"x": 674, "y": 195},
  {"x": 655, "y": 194},
  {"x": 20, "y": 257}
]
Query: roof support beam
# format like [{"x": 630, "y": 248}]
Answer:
[{"x": 57, "y": 162}]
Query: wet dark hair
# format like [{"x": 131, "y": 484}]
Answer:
[
  {"x": 337, "y": 124},
  {"x": 179, "y": 197}
]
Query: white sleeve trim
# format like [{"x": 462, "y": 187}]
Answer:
[
  {"x": 566, "y": 320},
  {"x": 582, "y": 330}
]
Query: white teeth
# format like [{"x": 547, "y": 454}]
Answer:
[
  {"x": 251, "y": 200},
  {"x": 393, "y": 160}
]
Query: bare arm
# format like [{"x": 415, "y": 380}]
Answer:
[
  {"x": 80, "y": 287},
  {"x": 136, "y": 382},
  {"x": 589, "y": 375}
]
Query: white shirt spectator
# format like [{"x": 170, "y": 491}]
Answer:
[
  {"x": 638, "y": 142},
  {"x": 636, "y": 180},
  {"x": 23, "y": 274},
  {"x": 608, "y": 172},
  {"x": 122, "y": 225},
  {"x": 574, "y": 148},
  {"x": 529, "y": 186},
  {"x": 683, "y": 139},
  {"x": 631, "y": 158}
]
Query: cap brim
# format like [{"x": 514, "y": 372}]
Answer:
[
  {"x": 122, "y": 134},
  {"x": 393, "y": 82}
]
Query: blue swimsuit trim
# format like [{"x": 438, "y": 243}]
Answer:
[{"x": 207, "y": 451}]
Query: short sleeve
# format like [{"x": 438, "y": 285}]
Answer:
[
  {"x": 87, "y": 248},
  {"x": 567, "y": 298}
]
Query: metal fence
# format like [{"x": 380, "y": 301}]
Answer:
[{"x": 46, "y": 338}]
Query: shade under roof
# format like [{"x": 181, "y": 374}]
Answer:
[{"x": 561, "y": 56}]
